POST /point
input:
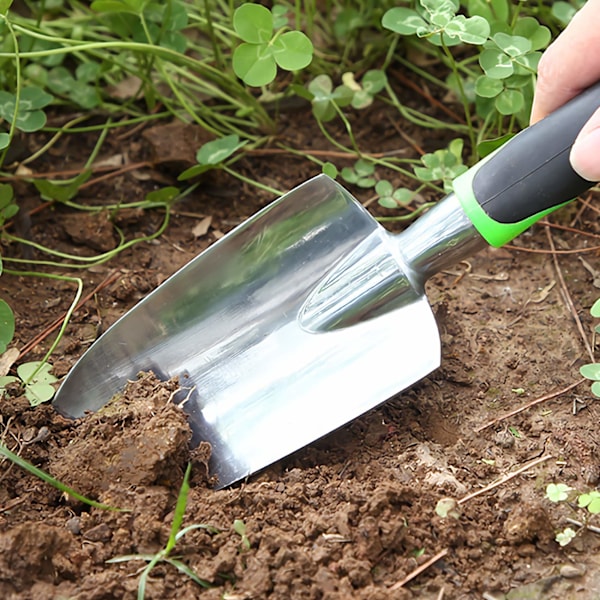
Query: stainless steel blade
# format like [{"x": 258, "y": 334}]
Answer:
[{"x": 298, "y": 321}]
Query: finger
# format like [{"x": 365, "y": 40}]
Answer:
[
  {"x": 586, "y": 150},
  {"x": 570, "y": 64}
]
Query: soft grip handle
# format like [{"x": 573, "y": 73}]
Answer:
[{"x": 529, "y": 176}]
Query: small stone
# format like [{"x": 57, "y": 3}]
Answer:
[
  {"x": 74, "y": 525},
  {"x": 100, "y": 533},
  {"x": 572, "y": 571}
]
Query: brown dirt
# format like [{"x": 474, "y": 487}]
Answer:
[{"x": 352, "y": 515}]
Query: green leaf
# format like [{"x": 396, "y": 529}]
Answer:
[
  {"x": 591, "y": 371},
  {"x": 280, "y": 18},
  {"x": 563, "y": 12},
  {"x": 62, "y": 192},
  {"x": 4, "y": 140},
  {"x": 254, "y": 64},
  {"x": 217, "y": 151},
  {"x": 5, "y": 381},
  {"x": 7, "y": 325},
  {"x": 179, "y": 513},
  {"x": 509, "y": 102},
  {"x": 38, "y": 393},
  {"x": 4, "y": 6},
  {"x": 490, "y": 10},
  {"x": 558, "y": 492},
  {"x": 596, "y": 389},
  {"x": 472, "y": 30},
  {"x": 253, "y": 23},
  {"x": 384, "y": 188},
  {"x": 194, "y": 171},
  {"x": 538, "y": 35},
  {"x": 164, "y": 195},
  {"x": 488, "y": 146},
  {"x": 374, "y": 81},
  {"x": 565, "y": 536},
  {"x": 330, "y": 169},
  {"x": 496, "y": 64},
  {"x": 488, "y": 87},
  {"x": 591, "y": 501},
  {"x": 292, "y": 51},
  {"x": 119, "y": 6},
  {"x": 404, "y": 21},
  {"x": 8, "y": 207},
  {"x": 512, "y": 45},
  {"x": 325, "y": 98},
  {"x": 347, "y": 21},
  {"x": 595, "y": 310},
  {"x": 36, "y": 372},
  {"x": 29, "y": 116}
]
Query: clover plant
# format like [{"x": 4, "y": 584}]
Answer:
[{"x": 265, "y": 48}]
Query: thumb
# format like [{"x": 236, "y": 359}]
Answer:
[{"x": 585, "y": 153}]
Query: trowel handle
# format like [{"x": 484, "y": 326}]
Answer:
[{"x": 529, "y": 176}]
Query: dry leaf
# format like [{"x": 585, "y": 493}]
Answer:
[
  {"x": 126, "y": 89},
  {"x": 7, "y": 359},
  {"x": 202, "y": 227}
]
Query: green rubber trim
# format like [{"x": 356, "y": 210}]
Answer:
[{"x": 494, "y": 233}]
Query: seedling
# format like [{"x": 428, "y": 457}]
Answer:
[
  {"x": 240, "y": 528},
  {"x": 591, "y": 371},
  {"x": 361, "y": 174},
  {"x": 59, "y": 485},
  {"x": 363, "y": 93},
  {"x": 175, "y": 535},
  {"x": 326, "y": 99},
  {"x": 35, "y": 378},
  {"x": 442, "y": 165},
  {"x": 263, "y": 49},
  {"x": 392, "y": 198},
  {"x": 586, "y": 504}
]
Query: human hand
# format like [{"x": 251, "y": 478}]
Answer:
[{"x": 570, "y": 65}]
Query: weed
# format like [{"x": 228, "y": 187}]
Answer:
[
  {"x": 263, "y": 48},
  {"x": 585, "y": 504},
  {"x": 35, "y": 378},
  {"x": 65, "y": 489},
  {"x": 175, "y": 535},
  {"x": 591, "y": 371},
  {"x": 240, "y": 528}
]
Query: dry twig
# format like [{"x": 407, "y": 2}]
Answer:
[
  {"x": 419, "y": 569},
  {"x": 529, "y": 405}
]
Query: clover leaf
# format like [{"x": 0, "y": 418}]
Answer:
[
  {"x": 437, "y": 21},
  {"x": 361, "y": 174},
  {"x": 443, "y": 165},
  {"x": 262, "y": 50},
  {"x": 390, "y": 197},
  {"x": 558, "y": 492},
  {"x": 30, "y": 116},
  {"x": 591, "y": 501},
  {"x": 325, "y": 98}
]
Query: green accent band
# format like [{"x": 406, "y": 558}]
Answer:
[{"x": 494, "y": 233}]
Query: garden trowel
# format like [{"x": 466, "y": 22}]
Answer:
[{"x": 310, "y": 313}]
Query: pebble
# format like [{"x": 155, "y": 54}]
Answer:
[{"x": 572, "y": 571}]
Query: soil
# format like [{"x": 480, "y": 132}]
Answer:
[{"x": 352, "y": 515}]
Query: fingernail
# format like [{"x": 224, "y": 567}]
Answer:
[{"x": 585, "y": 155}]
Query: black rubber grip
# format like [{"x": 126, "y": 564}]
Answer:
[{"x": 531, "y": 172}]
